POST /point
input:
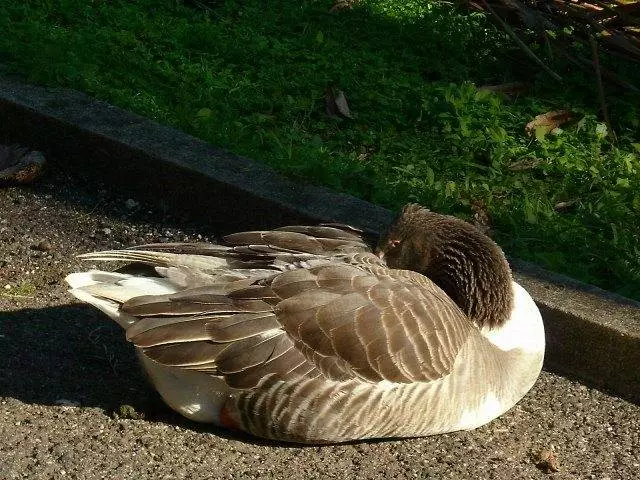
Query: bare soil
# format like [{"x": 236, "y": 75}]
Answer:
[{"x": 66, "y": 371}]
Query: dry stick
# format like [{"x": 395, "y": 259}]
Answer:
[
  {"x": 596, "y": 66},
  {"x": 619, "y": 10},
  {"x": 521, "y": 44},
  {"x": 584, "y": 64}
]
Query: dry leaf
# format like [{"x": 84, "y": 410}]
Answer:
[
  {"x": 547, "y": 122},
  {"x": 566, "y": 205},
  {"x": 335, "y": 103},
  {"x": 339, "y": 5},
  {"x": 19, "y": 165},
  {"x": 547, "y": 461}
]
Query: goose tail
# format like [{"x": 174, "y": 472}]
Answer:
[{"x": 108, "y": 290}]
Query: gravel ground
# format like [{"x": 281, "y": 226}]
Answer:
[{"x": 66, "y": 370}]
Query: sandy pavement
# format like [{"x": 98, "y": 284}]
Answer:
[{"x": 66, "y": 370}]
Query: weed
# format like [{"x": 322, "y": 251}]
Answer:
[{"x": 22, "y": 290}]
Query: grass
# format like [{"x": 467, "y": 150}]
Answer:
[
  {"x": 250, "y": 76},
  {"x": 22, "y": 290}
]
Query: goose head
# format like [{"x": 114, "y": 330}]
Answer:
[{"x": 465, "y": 263}]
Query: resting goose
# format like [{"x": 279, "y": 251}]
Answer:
[{"x": 304, "y": 334}]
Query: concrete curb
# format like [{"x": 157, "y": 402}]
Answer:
[{"x": 592, "y": 334}]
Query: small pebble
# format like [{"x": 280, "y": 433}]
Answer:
[
  {"x": 128, "y": 412},
  {"x": 106, "y": 231},
  {"x": 43, "y": 246}
]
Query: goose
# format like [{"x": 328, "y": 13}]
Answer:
[{"x": 305, "y": 334}]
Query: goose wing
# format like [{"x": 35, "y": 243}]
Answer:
[{"x": 299, "y": 301}]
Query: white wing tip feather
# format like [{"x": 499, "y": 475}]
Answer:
[
  {"x": 109, "y": 307},
  {"x": 108, "y": 290},
  {"x": 93, "y": 277}
]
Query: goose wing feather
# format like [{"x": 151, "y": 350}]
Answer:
[{"x": 345, "y": 316}]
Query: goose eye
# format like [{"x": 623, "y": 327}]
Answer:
[{"x": 393, "y": 243}]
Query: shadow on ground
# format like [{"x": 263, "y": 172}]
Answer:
[
  {"x": 74, "y": 355},
  {"x": 68, "y": 353}
]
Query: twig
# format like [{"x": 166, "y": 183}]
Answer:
[
  {"x": 596, "y": 66},
  {"x": 521, "y": 44},
  {"x": 618, "y": 10},
  {"x": 584, "y": 63}
]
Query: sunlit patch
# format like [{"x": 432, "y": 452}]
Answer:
[
  {"x": 523, "y": 330},
  {"x": 190, "y": 409}
]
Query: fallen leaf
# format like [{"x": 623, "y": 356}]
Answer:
[
  {"x": 566, "y": 205},
  {"x": 547, "y": 461},
  {"x": 19, "y": 165},
  {"x": 335, "y": 103},
  {"x": 339, "y": 5},
  {"x": 547, "y": 122}
]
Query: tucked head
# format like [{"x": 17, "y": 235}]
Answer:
[{"x": 461, "y": 260}]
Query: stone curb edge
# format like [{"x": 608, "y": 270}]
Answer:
[{"x": 591, "y": 334}]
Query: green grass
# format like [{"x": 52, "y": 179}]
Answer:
[
  {"x": 250, "y": 76},
  {"x": 21, "y": 290}
]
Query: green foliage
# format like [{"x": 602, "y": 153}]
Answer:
[{"x": 251, "y": 75}]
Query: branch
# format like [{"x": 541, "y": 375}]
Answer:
[
  {"x": 521, "y": 44},
  {"x": 596, "y": 66}
]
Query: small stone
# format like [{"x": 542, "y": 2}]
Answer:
[
  {"x": 128, "y": 412},
  {"x": 43, "y": 246},
  {"x": 7, "y": 287},
  {"x": 106, "y": 231}
]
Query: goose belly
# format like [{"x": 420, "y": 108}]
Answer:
[
  {"x": 195, "y": 395},
  {"x": 480, "y": 388}
]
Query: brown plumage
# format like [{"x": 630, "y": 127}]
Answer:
[
  {"x": 303, "y": 334},
  {"x": 460, "y": 259}
]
